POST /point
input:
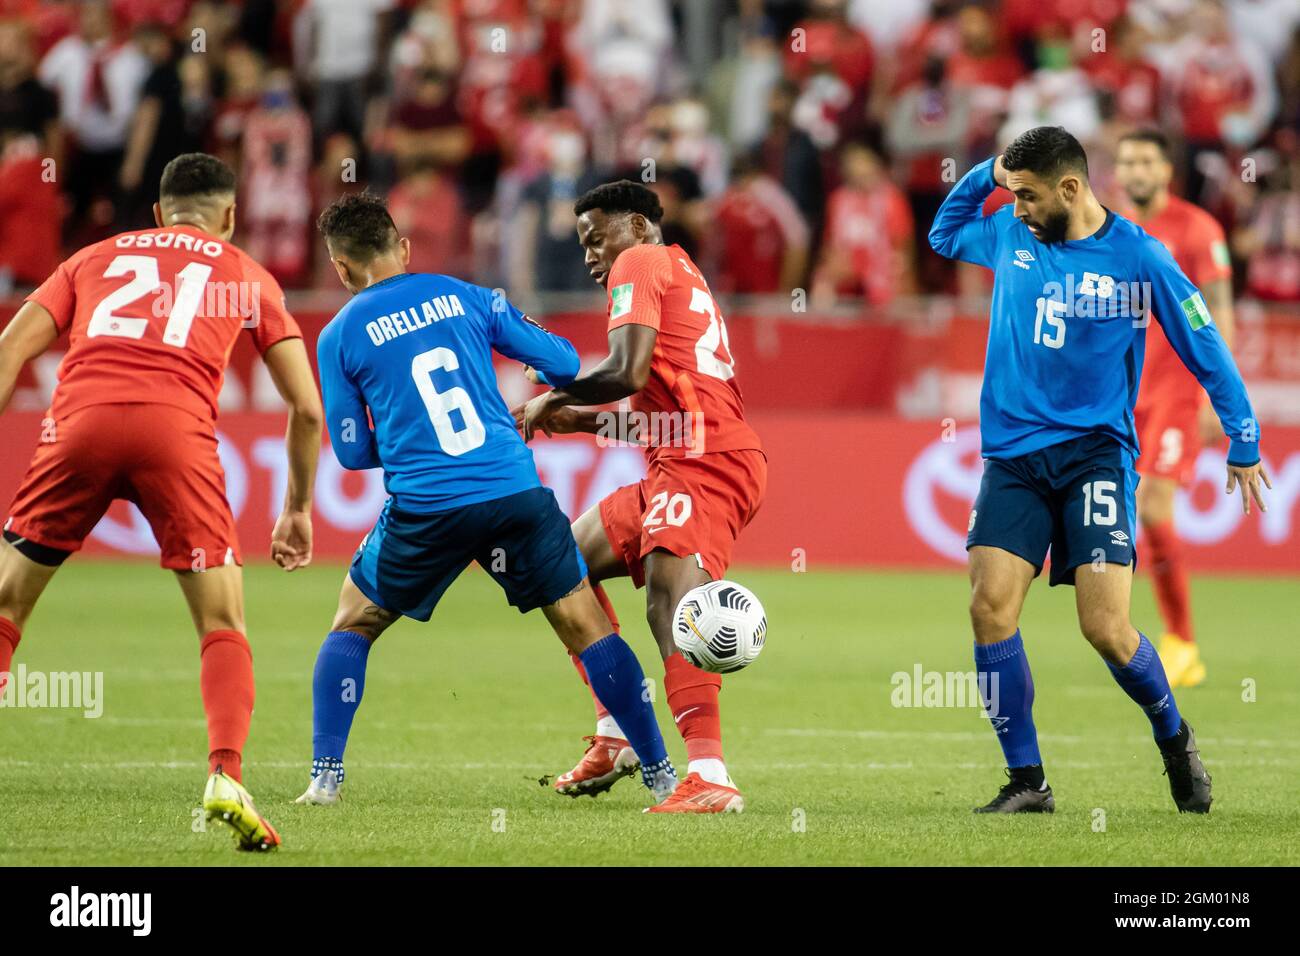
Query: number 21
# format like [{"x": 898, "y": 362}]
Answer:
[{"x": 144, "y": 279}]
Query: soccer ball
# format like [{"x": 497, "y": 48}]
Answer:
[{"x": 719, "y": 627}]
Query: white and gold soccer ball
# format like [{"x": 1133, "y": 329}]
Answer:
[{"x": 720, "y": 627}]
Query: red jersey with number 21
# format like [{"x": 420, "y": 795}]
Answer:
[
  {"x": 692, "y": 372},
  {"x": 152, "y": 317}
]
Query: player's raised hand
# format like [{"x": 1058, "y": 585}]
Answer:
[
  {"x": 291, "y": 540},
  {"x": 999, "y": 172},
  {"x": 530, "y": 373},
  {"x": 1248, "y": 479}
]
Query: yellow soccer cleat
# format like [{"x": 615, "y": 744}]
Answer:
[
  {"x": 1182, "y": 661},
  {"x": 226, "y": 800}
]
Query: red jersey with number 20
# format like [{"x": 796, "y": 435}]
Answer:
[
  {"x": 692, "y": 373},
  {"x": 152, "y": 317}
]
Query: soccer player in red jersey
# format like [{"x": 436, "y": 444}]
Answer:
[
  {"x": 705, "y": 478},
  {"x": 1173, "y": 415},
  {"x": 151, "y": 318}
]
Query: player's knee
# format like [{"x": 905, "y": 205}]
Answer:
[
  {"x": 658, "y": 604},
  {"x": 15, "y": 612},
  {"x": 224, "y": 619},
  {"x": 1151, "y": 512},
  {"x": 366, "y": 625},
  {"x": 992, "y": 616},
  {"x": 1155, "y": 505},
  {"x": 1106, "y": 631}
]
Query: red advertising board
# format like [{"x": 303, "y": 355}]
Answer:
[{"x": 845, "y": 488}]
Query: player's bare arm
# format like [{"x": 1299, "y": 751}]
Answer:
[
  {"x": 622, "y": 373},
  {"x": 291, "y": 373},
  {"x": 30, "y": 333}
]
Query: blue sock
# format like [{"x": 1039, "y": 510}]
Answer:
[
  {"x": 1143, "y": 679},
  {"x": 619, "y": 683},
  {"x": 1008, "y": 691},
  {"x": 336, "y": 686}
]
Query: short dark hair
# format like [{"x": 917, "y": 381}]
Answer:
[
  {"x": 621, "y": 196},
  {"x": 196, "y": 174},
  {"x": 1148, "y": 135},
  {"x": 1047, "y": 151},
  {"x": 359, "y": 223}
]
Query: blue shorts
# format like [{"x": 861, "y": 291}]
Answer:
[
  {"x": 1077, "y": 498},
  {"x": 408, "y": 560}
]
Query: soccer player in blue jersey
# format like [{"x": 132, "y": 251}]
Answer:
[
  {"x": 1074, "y": 287},
  {"x": 412, "y": 353}
]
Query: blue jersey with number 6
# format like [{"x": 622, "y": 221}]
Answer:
[
  {"x": 416, "y": 351},
  {"x": 1067, "y": 329}
]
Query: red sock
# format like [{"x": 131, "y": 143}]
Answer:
[
  {"x": 605, "y": 605},
  {"x": 1169, "y": 576},
  {"x": 226, "y": 678},
  {"x": 603, "y": 598},
  {"x": 9, "y": 637},
  {"x": 693, "y": 700}
]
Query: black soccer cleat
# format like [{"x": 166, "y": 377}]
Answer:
[
  {"x": 1189, "y": 782},
  {"x": 1017, "y": 796}
]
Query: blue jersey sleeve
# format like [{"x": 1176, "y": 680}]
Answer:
[
  {"x": 961, "y": 230},
  {"x": 517, "y": 336},
  {"x": 1182, "y": 313},
  {"x": 345, "y": 407}
]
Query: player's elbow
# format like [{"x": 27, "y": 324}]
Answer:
[
  {"x": 564, "y": 371},
  {"x": 353, "y": 456},
  {"x": 940, "y": 241},
  {"x": 634, "y": 377}
]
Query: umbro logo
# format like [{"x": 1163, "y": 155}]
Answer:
[
  {"x": 1120, "y": 538},
  {"x": 1022, "y": 256}
]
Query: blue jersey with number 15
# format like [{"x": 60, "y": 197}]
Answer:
[
  {"x": 1067, "y": 329},
  {"x": 416, "y": 350}
]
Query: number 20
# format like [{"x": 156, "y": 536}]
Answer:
[{"x": 675, "y": 510}]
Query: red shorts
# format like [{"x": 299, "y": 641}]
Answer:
[
  {"x": 1169, "y": 437},
  {"x": 689, "y": 506},
  {"x": 161, "y": 458}
]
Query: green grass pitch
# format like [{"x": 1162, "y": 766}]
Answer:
[{"x": 462, "y": 717}]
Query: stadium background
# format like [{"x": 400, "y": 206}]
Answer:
[{"x": 799, "y": 149}]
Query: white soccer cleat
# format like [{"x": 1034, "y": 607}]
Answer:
[
  {"x": 663, "y": 783},
  {"x": 323, "y": 790}
]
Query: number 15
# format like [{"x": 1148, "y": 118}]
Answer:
[{"x": 1049, "y": 311}]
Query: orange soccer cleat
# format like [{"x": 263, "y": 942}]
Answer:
[
  {"x": 697, "y": 795},
  {"x": 607, "y": 759}
]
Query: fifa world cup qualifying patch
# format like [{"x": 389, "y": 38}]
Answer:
[
  {"x": 1194, "y": 308},
  {"x": 621, "y": 299}
]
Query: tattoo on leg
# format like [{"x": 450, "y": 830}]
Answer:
[
  {"x": 580, "y": 585},
  {"x": 377, "y": 612}
]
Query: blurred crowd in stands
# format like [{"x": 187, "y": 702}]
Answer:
[{"x": 793, "y": 144}]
